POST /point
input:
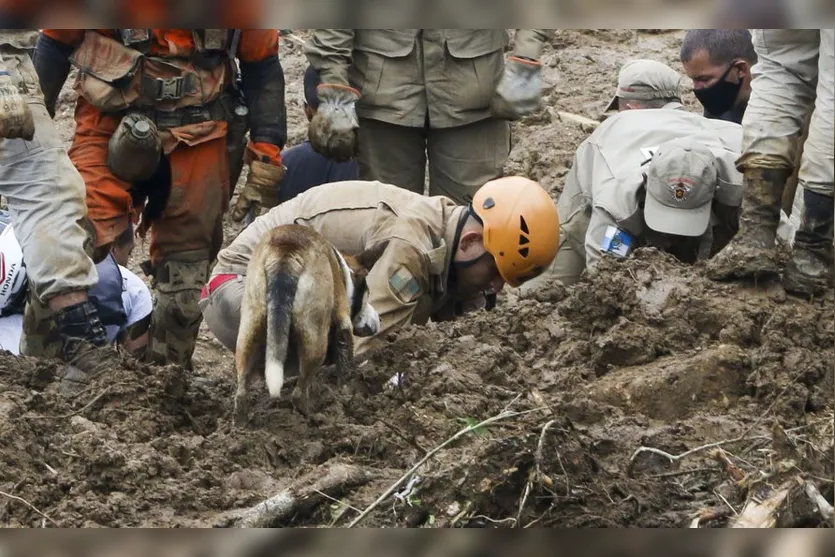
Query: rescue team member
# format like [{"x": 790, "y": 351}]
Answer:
[
  {"x": 123, "y": 301},
  {"x": 439, "y": 252},
  {"x": 305, "y": 167},
  {"x": 152, "y": 117},
  {"x": 719, "y": 62},
  {"x": 646, "y": 84},
  {"x": 398, "y": 97},
  {"x": 795, "y": 72},
  {"x": 662, "y": 178},
  {"x": 46, "y": 199}
]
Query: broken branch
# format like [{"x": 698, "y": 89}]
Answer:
[{"x": 302, "y": 496}]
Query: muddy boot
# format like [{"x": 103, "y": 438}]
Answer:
[
  {"x": 752, "y": 252},
  {"x": 809, "y": 271},
  {"x": 85, "y": 348},
  {"x": 177, "y": 316}
]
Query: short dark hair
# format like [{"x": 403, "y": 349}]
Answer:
[
  {"x": 311, "y": 82},
  {"x": 722, "y": 45},
  {"x": 125, "y": 237}
]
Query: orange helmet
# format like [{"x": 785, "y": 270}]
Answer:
[{"x": 521, "y": 226}]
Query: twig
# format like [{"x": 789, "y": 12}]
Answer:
[
  {"x": 675, "y": 458},
  {"x": 722, "y": 497},
  {"x": 77, "y": 412},
  {"x": 412, "y": 442},
  {"x": 30, "y": 505},
  {"x": 681, "y": 473},
  {"x": 728, "y": 465},
  {"x": 823, "y": 505},
  {"x": 433, "y": 452},
  {"x": 343, "y": 503}
]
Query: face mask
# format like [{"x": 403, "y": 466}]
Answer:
[{"x": 721, "y": 96}]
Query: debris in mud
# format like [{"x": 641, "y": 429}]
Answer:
[{"x": 604, "y": 370}]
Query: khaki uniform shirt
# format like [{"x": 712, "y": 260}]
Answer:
[
  {"x": 411, "y": 77},
  {"x": 408, "y": 284},
  {"x": 19, "y": 38},
  {"x": 605, "y": 183}
]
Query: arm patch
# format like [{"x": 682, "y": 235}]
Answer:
[{"x": 404, "y": 285}]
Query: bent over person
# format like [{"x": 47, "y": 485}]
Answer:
[
  {"x": 658, "y": 177},
  {"x": 438, "y": 256},
  {"x": 153, "y": 118}
]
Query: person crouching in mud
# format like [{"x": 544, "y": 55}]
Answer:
[
  {"x": 440, "y": 255},
  {"x": 661, "y": 178}
]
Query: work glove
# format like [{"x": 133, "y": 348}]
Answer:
[
  {"x": 16, "y": 120},
  {"x": 333, "y": 129},
  {"x": 260, "y": 190},
  {"x": 520, "y": 90}
]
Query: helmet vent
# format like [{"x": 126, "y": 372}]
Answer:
[
  {"x": 489, "y": 203},
  {"x": 524, "y": 252},
  {"x": 523, "y": 225},
  {"x": 523, "y": 240}
]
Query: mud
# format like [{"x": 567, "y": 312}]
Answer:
[{"x": 642, "y": 353}]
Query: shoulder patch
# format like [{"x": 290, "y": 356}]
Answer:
[{"x": 404, "y": 285}]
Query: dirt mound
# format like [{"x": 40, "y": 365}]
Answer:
[{"x": 643, "y": 353}]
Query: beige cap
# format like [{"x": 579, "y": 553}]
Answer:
[
  {"x": 645, "y": 80},
  {"x": 681, "y": 183}
]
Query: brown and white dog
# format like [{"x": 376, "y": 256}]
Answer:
[{"x": 301, "y": 295}]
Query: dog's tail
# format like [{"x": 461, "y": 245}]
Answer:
[{"x": 281, "y": 292}]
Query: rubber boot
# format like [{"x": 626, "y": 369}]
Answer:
[
  {"x": 809, "y": 271},
  {"x": 752, "y": 252},
  {"x": 177, "y": 316}
]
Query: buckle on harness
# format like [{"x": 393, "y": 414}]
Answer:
[{"x": 168, "y": 88}]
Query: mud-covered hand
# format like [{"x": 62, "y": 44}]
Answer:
[
  {"x": 16, "y": 120},
  {"x": 333, "y": 129},
  {"x": 520, "y": 90},
  {"x": 260, "y": 190}
]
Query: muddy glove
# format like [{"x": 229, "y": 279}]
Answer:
[
  {"x": 333, "y": 130},
  {"x": 260, "y": 190},
  {"x": 16, "y": 120},
  {"x": 520, "y": 90}
]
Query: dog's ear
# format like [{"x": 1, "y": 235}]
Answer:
[{"x": 370, "y": 256}]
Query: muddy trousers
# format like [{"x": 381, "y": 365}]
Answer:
[
  {"x": 176, "y": 319},
  {"x": 461, "y": 159}
]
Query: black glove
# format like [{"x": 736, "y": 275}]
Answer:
[
  {"x": 333, "y": 129},
  {"x": 520, "y": 90},
  {"x": 52, "y": 62}
]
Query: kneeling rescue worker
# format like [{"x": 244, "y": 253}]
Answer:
[
  {"x": 158, "y": 119},
  {"x": 440, "y": 255}
]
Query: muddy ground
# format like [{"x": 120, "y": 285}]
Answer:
[{"x": 643, "y": 353}]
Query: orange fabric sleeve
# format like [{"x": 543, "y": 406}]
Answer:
[
  {"x": 265, "y": 152},
  {"x": 70, "y": 37},
  {"x": 258, "y": 44}
]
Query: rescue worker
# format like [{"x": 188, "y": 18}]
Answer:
[
  {"x": 305, "y": 167},
  {"x": 794, "y": 72},
  {"x": 46, "y": 199},
  {"x": 153, "y": 113},
  {"x": 439, "y": 253},
  {"x": 397, "y": 97},
  {"x": 662, "y": 178},
  {"x": 646, "y": 84},
  {"x": 122, "y": 300},
  {"x": 719, "y": 62}
]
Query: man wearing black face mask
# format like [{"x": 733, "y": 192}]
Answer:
[{"x": 719, "y": 63}]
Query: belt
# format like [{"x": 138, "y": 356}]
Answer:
[
  {"x": 166, "y": 119},
  {"x": 214, "y": 284}
]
